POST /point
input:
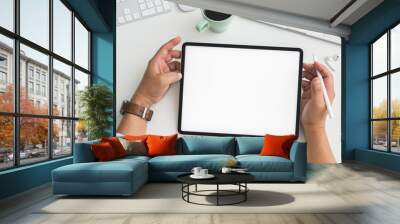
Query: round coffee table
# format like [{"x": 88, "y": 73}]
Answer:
[{"x": 238, "y": 179}]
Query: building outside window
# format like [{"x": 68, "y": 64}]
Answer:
[
  {"x": 385, "y": 91},
  {"x": 57, "y": 127}
]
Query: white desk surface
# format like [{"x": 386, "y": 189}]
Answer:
[{"x": 138, "y": 41}]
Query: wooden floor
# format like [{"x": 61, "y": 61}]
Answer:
[{"x": 378, "y": 188}]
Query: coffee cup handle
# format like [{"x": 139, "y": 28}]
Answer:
[{"x": 202, "y": 25}]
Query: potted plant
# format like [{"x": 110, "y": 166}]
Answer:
[{"x": 96, "y": 103}]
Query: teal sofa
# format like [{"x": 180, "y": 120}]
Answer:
[{"x": 125, "y": 176}]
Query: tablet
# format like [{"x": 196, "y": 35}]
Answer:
[{"x": 239, "y": 90}]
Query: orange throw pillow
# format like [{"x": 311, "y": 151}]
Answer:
[
  {"x": 116, "y": 145},
  {"x": 103, "y": 152},
  {"x": 135, "y": 137},
  {"x": 161, "y": 145},
  {"x": 277, "y": 145}
]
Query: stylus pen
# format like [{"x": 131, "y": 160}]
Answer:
[{"x": 325, "y": 93}]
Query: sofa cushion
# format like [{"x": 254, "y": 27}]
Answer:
[
  {"x": 185, "y": 163},
  {"x": 195, "y": 145},
  {"x": 249, "y": 145},
  {"x": 257, "y": 163},
  {"x": 113, "y": 171}
]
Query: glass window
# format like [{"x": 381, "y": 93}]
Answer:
[
  {"x": 81, "y": 45},
  {"x": 395, "y": 136},
  {"x": 379, "y": 56},
  {"x": 379, "y": 135},
  {"x": 6, "y": 142},
  {"x": 34, "y": 21},
  {"x": 379, "y": 98},
  {"x": 6, "y": 71},
  {"x": 62, "y": 29},
  {"x": 395, "y": 95},
  {"x": 81, "y": 131},
  {"x": 62, "y": 75},
  {"x": 62, "y": 137},
  {"x": 34, "y": 77},
  {"x": 33, "y": 140},
  {"x": 81, "y": 82},
  {"x": 7, "y": 14},
  {"x": 40, "y": 62},
  {"x": 395, "y": 47}
]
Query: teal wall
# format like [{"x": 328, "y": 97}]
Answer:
[
  {"x": 356, "y": 83},
  {"x": 99, "y": 15}
]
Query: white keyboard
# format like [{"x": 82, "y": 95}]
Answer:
[{"x": 131, "y": 10}]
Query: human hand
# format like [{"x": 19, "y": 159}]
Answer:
[
  {"x": 313, "y": 108},
  {"x": 161, "y": 72}
]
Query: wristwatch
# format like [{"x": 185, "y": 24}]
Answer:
[{"x": 136, "y": 109}]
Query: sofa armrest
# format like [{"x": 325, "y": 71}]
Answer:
[
  {"x": 298, "y": 155},
  {"x": 83, "y": 152}
]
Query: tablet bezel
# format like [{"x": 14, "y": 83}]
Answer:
[{"x": 184, "y": 45}]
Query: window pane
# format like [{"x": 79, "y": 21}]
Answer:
[
  {"x": 62, "y": 29},
  {"x": 6, "y": 74},
  {"x": 395, "y": 136},
  {"x": 62, "y": 137},
  {"x": 35, "y": 21},
  {"x": 379, "y": 135},
  {"x": 395, "y": 47},
  {"x": 81, "y": 45},
  {"x": 81, "y": 131},
  {"x": 6, "y": 142},
  {"x": 7, "y": 14},
  {"x": 62, "y": 89},
  {"x": 379, "y": 98},
  {"x": 395, "y": 94},
  {"x": 379, "y": 55},
  {"x": 33, "y": 139},
  {"x": 34, "y": 81},
  {"x": 81, "y": 81}
]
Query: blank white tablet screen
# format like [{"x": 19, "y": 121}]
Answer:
[{"x": 240, "y": 91}]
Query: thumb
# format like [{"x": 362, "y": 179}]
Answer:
[
  {"x": 172, "y": 77},
  {"x": 316, "y": 91}
]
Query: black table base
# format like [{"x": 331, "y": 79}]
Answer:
[{"x": 241, "y": 191}]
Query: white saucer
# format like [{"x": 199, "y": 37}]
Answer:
[{"x": 208, "y": 176}]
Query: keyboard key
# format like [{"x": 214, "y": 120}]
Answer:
[
  {"x": 121, "y": 19},
  {"x": 127, "y": 11},
  {"x": 160, "y": 9},
  {"x": 148, "y": 12},
  {"x": 128, "y": 18},
  {"x": 166, "y": 5},
  {"x": 143, "y": 6},
  {"x": 136, "y": 15},
  {"x": 157, "y": 2},
  {"x": 150, "y": 5},
  {"x": 141, "y": 1}
]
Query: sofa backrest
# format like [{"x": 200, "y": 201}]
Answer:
[
  {"x": 192, "y": 145},
  {"x": 83, "y": 152},
  {"x": 249, "y": 145}
]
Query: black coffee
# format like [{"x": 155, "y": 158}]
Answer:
[{"x": 217, "y": 16}]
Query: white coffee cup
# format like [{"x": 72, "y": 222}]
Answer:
[
  {"x": 203, "y": 172},
  {"x": 196, "y": 171},
  {"x": 226, "y": 170}
]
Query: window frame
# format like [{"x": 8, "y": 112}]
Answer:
[
  {"x": 16, "y": 115},
  {"x": 388, "y": 74}
]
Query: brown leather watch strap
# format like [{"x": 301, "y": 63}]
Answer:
[{"x": 136, "y": 109}]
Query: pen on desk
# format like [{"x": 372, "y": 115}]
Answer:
[{"x": 325, "y": 93}]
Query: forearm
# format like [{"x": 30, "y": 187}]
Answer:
[
  {"x": 318, "y": 149},
  {"x": 132, "y": 124}
]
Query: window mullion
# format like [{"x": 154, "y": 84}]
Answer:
[
  {"x": 389, "y": 104},
  {"x": 73, "y": 83},
  {"x": 50, "y": 77}
]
